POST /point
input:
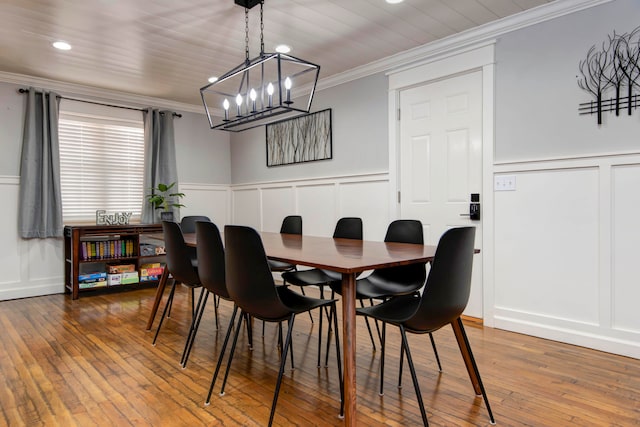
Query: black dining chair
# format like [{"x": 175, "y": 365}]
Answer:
[
  {"x": 211, "y": 272},
  {"x": 291, "y": 224},
  {"x": 346, "y": 228},
  {"x": 181, "y": 267},
  {"x": 188, "y": 223},
  {"x": 385, "y": 283},
  {"x": 442, "y": 302},
  {"x": 255, "y": 292}
]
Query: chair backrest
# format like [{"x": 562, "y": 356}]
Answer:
[
  {"x": 446, "y": 293},
  {"x": 348, "y": 228},
  {"x": 404, "y": 279},
  {"x": 291, "y": 224},
  {"x": 405, "y": 231},
  {"x": 211, "y": 258},
  {"x": 188, "y": 223},
  {"x": 249, "y": 280},
  {"x": 178, "y": 259}
]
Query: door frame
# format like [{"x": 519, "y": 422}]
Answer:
[{"x": 439, "y": 67}]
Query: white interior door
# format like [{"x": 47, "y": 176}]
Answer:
[{"x": 441, "y": 161}]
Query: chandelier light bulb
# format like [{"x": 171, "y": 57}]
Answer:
[
  {"x": 225, "y": 105},
  {"x": 270, "y": 92},
  {"x": 287, "y": 86},
  {"x": 239, "y": 103},
  {"x": 253, "y": 95}
]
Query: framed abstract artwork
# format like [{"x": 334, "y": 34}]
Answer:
[{"x": 301, "y": 139}]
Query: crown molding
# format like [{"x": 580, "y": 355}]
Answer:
[
  {"x": 91, "y": 93},
  {"x": 459, "y": 42}
]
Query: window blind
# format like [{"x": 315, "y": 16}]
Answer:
[{"x": 101, "y": 166}]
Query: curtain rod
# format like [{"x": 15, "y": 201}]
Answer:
[{"x": 23, "y": 90}]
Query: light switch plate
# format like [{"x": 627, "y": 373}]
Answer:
[{"x": 504, "y": 183}]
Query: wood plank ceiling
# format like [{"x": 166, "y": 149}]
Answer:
[{"x": 168, "y": 48}]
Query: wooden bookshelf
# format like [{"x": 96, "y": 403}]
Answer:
[{"x": 89, "y": 248}]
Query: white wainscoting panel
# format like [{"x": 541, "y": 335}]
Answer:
[
  {"x": 320, "y": 202},
  {"x": 317, "y": 204},
  {"x": 367, "y": 200},
  {"x": 625, "y": 247},
  {"x": 546, "y": 243},
  {"x": 209, "y": 200},
  {"x": 277, "y": 202},
  {"x": 566, "y": 256},
  {"x": 246, "y": 207},
  {"x": 30, "y": 267}
]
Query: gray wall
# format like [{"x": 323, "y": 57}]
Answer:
[
  {"x": 11, "y": 122},
  {"x": 203, "y": 155},
  {"x": 360, "y": 137},
  {"x": 537, "y": 94}
]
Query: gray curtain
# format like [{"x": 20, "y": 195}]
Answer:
[
  {"x": 159, "y": 157},
  {"x": 40, "y": 209}
]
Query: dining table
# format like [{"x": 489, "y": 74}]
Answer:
[{"x": 349, "y": 257}]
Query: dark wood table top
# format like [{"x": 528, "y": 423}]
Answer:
[{"x": 340, "y": 255}]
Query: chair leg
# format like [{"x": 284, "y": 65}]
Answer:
[
  {"x": 377, "y": 326},
  {"x": 221, "y": 355},
  {"x": 193, "y": 301},
  {"x": 435, "y": 351},
  {"x": 249, "y": 330},
  {"x": 475, "y": 367},
  {"x": 173, "y": 281},
  {"x": 414, "y": 378},
  {"x": 164, "y": 312},
  {"x": 242, "y": 317},
  {"x": 193, "y": 330},
  {"x": 382, "y": 348},
  {"x": 401, "y": 366},
  {"x": 287, "y": 344},
  {"x": 216, "y": 304},
  {"x": 366, "y": 320}
]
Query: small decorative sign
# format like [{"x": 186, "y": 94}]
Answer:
[{"x": 116, "y": 218}]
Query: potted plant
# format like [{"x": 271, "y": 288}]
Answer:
[{"x": 161, "y": 197}]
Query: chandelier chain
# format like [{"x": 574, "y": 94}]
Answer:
[
  {"x": 246, "y": 34},
  {"x": 262, "y": 28}
]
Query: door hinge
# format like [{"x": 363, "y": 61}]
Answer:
[
  {"x": 398, "y": 114},
  {"x": 398, "y": 197}
]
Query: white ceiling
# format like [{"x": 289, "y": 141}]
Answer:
[{"x": 168, "y": 48}]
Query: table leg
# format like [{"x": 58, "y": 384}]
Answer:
[
  {"x": 463, "y": 344},
  {"x": 349, "y": 338},
  {"x": 159, "y": 292}
]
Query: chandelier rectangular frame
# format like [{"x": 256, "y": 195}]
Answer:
[{"x": 259, "y": 90}]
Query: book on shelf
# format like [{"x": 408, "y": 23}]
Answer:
[{"x": 92, "y": 250}]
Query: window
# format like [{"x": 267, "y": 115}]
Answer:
[{"x": 101, "y": 161}]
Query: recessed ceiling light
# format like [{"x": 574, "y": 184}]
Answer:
[
  {"x": 283, "y": 48},
  {"x": 62, "y": 45},
  {"x": 213, "y": 79},
  {"x": 394, "y": 1}
]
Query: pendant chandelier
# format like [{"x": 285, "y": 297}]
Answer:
[{"x": 260, "y": 90}]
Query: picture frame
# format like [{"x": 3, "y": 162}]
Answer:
[{"x": 299, "y": 140}]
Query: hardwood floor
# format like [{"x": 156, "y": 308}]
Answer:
[{"x": 90, "y": 362}]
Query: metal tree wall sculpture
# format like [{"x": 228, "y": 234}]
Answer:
[{"x": 607, "y": 72}]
